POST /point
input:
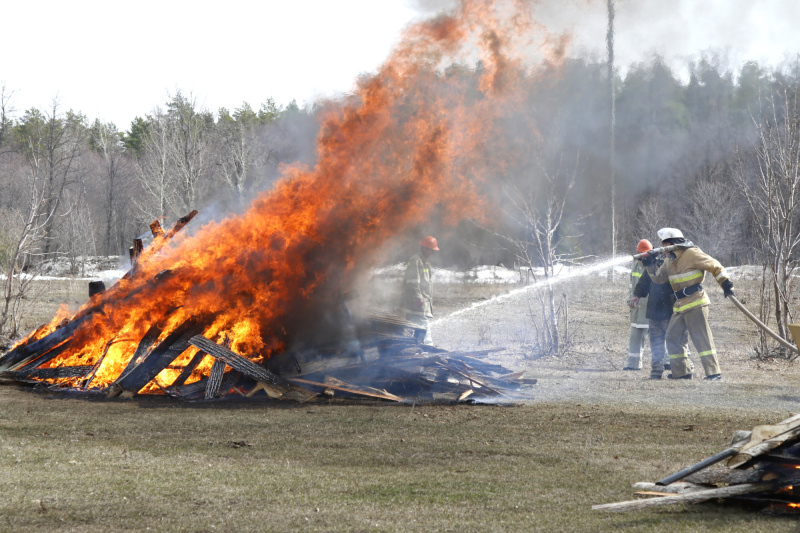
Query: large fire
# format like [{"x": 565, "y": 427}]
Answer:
[{"x": 414, "y": 138}]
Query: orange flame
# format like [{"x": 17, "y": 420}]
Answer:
[{"x": 412, "y": 139}]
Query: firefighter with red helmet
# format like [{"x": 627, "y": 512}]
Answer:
[
  {"x": 639, "y": 322},
  {"x": 417, "y": 288},
  {"x": 685, "y": 268}
]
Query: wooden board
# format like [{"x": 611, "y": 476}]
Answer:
[
  {"x": 351, "y": 390},
  {"x": 250, "y": 369}
]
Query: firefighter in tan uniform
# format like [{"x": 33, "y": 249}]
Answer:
[
  {"x": 417, "y": 288},
  {"x": 685, "y": 269},
  {"x": 639, "y": 322}
]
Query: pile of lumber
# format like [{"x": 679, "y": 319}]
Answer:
[
  {"x": 762, "y": 468},
  {"x": 399, "y": 372}
]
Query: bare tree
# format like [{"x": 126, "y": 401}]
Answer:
[
  {"x": 770, "y": 182},
  {"x": 6, "y": 111},
  {"x": 106, "y": 141},
  {"x": 52, "y": 143},
  {"x": 158, "y": 188},
  {"x": 23, "y": 229},
  {"x": 651, "y": 216},
  {"x": 536, "y": 210},
  {"x": 719, "y": 235},
  {"x": 190, "y": 149}
]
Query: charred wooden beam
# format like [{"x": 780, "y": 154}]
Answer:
[
  {"x": 96, "y": 287},
  {"x": 158, "y": 359},
  {"x": 188, "y": 369},
  {"x": 35, "y": 348},
  {"x": 147, "y": 342},
  {"x": 156, "y": 230},
  {"x": 180, "y": 224},
  {"x": 705, "y": 463},
  {"x": 250, "y": 369},
  {"x": 50, "y": 373},
  {"x": 215, "y": 378},
  {"x": 196, "y": 390}
]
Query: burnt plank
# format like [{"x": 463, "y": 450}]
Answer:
[
  {"x": 250, "y": 369},
  {"x": 40, "y": 346},
  {"x": 348, "y": 388},
  {"x": 158, "y": 359},
  {"x": 188, "y": 369},
  {"x": 149, "y": 338},
  {"x": 215, "y": 378},
  {"x": 52, "y": 373},
  {"x": 180, "y": 224}
]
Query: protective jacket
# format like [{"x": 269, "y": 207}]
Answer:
[
  {"x": 638, "y": 313},
  {"x": 660, "y": 297},
  {"x": 417, "y": 287},
  {"x": 685, "y": 268}
]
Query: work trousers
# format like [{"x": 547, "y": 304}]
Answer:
[
  {"x": 694, "y": 324},
  {"x": 635, "y": 345},
  {"x": 658, "y": 345},
  {"x": 420, "y": 320}
]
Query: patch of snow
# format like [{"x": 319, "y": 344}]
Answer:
[{"x": 106, "y": 268}]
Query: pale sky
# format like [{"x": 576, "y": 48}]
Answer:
[{"x": 114, "y": 60}]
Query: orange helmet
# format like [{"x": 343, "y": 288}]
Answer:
[
  {"x": 429, "y": 242},
  {"x": 644, "y": 246}
]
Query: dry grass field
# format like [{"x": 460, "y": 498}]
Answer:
[{"x": 152, "y": 464}]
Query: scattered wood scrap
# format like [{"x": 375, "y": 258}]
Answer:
[{"x": 762, "y": 468}]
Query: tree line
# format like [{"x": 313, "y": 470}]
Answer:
[{"x": 711, "y": 155}]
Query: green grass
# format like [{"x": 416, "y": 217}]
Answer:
[{"x": 84, "y": 465}]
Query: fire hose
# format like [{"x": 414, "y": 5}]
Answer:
[{"x": 763, "y": 326}]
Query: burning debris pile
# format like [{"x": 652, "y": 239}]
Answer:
[
  {"x": 414, "y": 144},
  {"x": 763, "y": 470},
  {"x": 380, "y": 358}
]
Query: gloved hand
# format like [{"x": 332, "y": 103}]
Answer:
[
  {"x": 634, "y": 302},
  {"x": 727, "y": 288},
  {"x": 648, "y": 259}
]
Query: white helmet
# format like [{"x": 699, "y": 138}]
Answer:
[{"x": 669, "y": 233}]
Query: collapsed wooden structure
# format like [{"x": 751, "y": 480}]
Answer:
[
  {"x": 381, "y": 359},
  {"x": 386, "y": 367},
  {"x": 762, "y": 469}
]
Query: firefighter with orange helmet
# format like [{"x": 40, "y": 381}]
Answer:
[
  {"x": 685, "y": 268},
  {"x": 417, "y": 288},
  {"x": 638, "y": 306}
]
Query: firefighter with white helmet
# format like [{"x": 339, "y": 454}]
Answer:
[
  {"x": 685, "y": 268},
  {"x": 638, "y": 307},
  {"x": 417, "y": 287}
]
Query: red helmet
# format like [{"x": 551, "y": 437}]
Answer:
[
  {"x": 644, "y": 246},
  {"x": 429, "y": 242}
]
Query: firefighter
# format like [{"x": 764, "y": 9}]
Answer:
[
  {"x": 660, "y": 300},
  {"x": 639, "y": 324},
  {"x": 685, "y": 269},
  {"x": 417, "y": 298}
]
